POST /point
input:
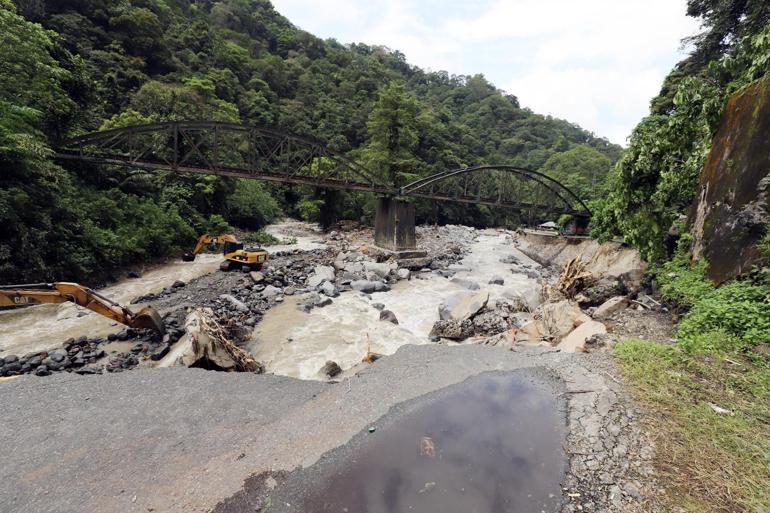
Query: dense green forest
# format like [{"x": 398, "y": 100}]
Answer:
[{"x": 75, "y": 66}]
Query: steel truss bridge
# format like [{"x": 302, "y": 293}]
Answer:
[{"x": 230, "y": 149}]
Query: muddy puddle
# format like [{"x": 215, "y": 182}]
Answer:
[
  {"x": 489, "y": 445},
  {"x": 297, "y": 344}
]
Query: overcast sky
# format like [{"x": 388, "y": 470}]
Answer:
[{"x": 593, "y": 62}]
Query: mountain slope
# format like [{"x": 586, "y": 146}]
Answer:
[{"x": 119, "y": 63}]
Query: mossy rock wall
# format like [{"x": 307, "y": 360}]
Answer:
[{"x": 730, "y": 213}]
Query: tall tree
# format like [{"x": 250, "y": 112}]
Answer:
[{"x": 393, "y": 133}]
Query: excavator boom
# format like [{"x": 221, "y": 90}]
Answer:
[
  {"x": 206, "y": 240},
  {"x": 60, "y": 292}
]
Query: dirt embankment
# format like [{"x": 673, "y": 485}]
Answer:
[{"x": 608, "y": 259}]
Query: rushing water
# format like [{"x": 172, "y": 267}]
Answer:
[
  {"x": 488, "y": 445},
  {"x": 298, "y": 344},
  {"x": 46, "y": 326},
  {"x": 43, "y": 327}
]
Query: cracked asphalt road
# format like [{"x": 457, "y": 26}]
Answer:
[{"x": 184, "y": 440}]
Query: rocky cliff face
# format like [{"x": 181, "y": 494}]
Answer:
[{"x": 730, "y": 213}]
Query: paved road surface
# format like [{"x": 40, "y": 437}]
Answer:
[{"x": 182, "y": 440}]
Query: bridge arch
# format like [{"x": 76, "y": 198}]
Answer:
[
  {"x": 223, "y": 148},
  {"x": 478, "y": 185},
  {"x": 246, "y": 151}
]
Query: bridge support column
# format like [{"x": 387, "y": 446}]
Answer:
[{"x": 394, "y": 224}]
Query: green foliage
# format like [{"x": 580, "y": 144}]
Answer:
[
  {"x": 251, "y": 206},
  {"x": 83, "y": 65},
  {"x": 260, "y": 237},
  {"x": 681, "y": 281},
  {"x": 734, "y": 315},
  {"x": 739, "y": 310},
  {"x": 655, "y": 180},
  {"x": 310, "y": 209},
  {"x": 581, "y": 168},
  {"x": 393, "y": 134}
]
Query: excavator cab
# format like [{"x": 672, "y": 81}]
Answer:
[{"x": 231, "y": 247}]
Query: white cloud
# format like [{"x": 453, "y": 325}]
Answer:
[{"x": 593, "y": 62}]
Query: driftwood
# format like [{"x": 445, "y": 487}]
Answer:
[
  {"x": 574, "y": 277},
  {"x": 209, "y": 344}
]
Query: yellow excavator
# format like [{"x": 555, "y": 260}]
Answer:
[
  {"x": 232, "y": 249},
  {"x": 61, "y": 292}
]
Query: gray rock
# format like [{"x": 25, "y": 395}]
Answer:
[
  {"x": 318, "y": 301},
  {"x": 387, "y": 315},
  {"x": 331, "y": 369},
  {"x": 455, "y": 330},
  {"x": 468, "y": 284},
  {"x": 236, "y": 303},
  {"x": 462, "y": 306},
  {"x": 367, "y": 286},
  {"x": 327, "y": 288},
  {"x": 380, "y": 269},
  {"x": 42, "y": 371},
  {"x": 497, "y": 280},
  {"x": 271, "y": 291},
  {"x": 354, "y": 267},
  {"x": 378, "y": 306},
  {"x": 178, "y": 284},
  {"x": 320, "y": 274},
  {"x": 510, "y": 259},
  {"x": 257, "y": 277},
  {"x": 290, "y": 291},
  {"x": 11, "y": 358},
  {"x": 403, "y": 273}
]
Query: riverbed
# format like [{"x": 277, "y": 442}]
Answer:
[
  {"x": 297, "y": 344},
  {"x": 43, "y": 327}
]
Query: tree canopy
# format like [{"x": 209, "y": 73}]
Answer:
[{"x": 84, "y": 65}]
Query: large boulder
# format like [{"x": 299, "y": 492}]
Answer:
[
  {"x": 452, "y": 329},
  {"x": 611, "y": 306},
  {"x": 575, "y": 341},
  {"x": 380, "y": 269},
  {"x": 320, "y": 274},
  {"x": 462, "y": 306},
  {"x": 557, "y": 319}
]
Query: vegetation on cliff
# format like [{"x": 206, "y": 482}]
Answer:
[{"x": 654, "y": 183}]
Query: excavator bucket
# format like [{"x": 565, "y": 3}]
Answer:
[
  {"x": 148, "y": 318},
  {"x": 188, "y": 257}
]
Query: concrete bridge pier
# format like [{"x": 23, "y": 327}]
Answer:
[{"x": 394, "y": 224}]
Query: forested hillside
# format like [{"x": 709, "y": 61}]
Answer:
[
  {"x": 73, "y": 66},
  {"x": 655, "y": 182}
]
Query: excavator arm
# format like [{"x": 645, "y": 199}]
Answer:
[
  {"x": 61, "y": 292},
  {"x": 206, "y": 240}
]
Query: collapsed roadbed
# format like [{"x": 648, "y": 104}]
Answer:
[{"x": 186, "y": 439}]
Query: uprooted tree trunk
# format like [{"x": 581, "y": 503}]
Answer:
[
  {"x": 574, "y": 277},
  {"x": 210, "y": 347}
]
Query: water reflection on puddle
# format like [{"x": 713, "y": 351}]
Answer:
[{"x": 489, "y": 445}]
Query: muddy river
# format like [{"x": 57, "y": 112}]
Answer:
[
  {"x": 298, "y": 344},
  {"x": 288, "y": 341},
  {"x": 43, "y": 327}
]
